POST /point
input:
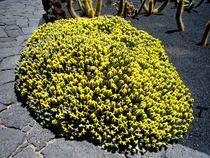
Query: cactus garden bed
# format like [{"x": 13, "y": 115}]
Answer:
[{"x": 103, "y": 80}]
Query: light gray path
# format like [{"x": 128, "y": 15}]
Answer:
[{"x": 20, "y": 135}]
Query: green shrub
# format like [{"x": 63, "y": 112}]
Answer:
[{"x": 103, "y": 80}]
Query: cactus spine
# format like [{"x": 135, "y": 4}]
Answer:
[
  {"x": 206, "y": 34},
  {"x": 179, "y": 12}
]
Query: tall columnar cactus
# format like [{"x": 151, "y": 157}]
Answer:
[
  {"x": 206, "y": 34},
  {"x": 126, "y": 9},
  {"x": 121, "y": 7},
  {"x": 71, "y": 9},
  {"x": 150, "y": 9},
  {"x": 87, "y": 7},
  {"x": 179, "y": 12}
]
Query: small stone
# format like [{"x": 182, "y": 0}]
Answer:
[
  {"x": 7, "y": 76},
  {"x": 34, "y": 22},
  {"x": 14, "y": 33},
  {"x": 22, "y": 22},
  {"x": 9, "y": 141},
  {"x": 9, "y": 62},
  {"x": 7, "y": 94},
  {"x": 178, "y": 151},
  {"x": 7, "y": 39},
  {"x": 38, "y": 136},
  {"x": 2, "y": 107},
  {"x": 21, "y": 39},
  {"x": 9, "y": 21},
  {"x": 26, "y": 153},
  {"x": 12, "y": 27},
  {"x": 3, "y": 33},
  {"x": 72, "y": 149},
  {"x": 5, "y": 52},
  {"x": 8, "y": 44},
  {"x": 22, "y": 117},
  {"x": 28, "y": 30}
]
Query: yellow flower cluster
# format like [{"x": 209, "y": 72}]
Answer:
[{"x": 104, "y": 80}]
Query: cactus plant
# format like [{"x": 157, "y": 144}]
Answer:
[
  {"x": 150, "y": 9},
  {"x": 126, "y": 9},
  {"x": 87, "y": 7},
  {"x": 121, "y": 7},
  {"x": 71, "y": 9},
  {"x": 206, "y": 34},
  {"x": 179, "y": 12}
]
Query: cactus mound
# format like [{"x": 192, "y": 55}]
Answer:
[{"x": 103, "y": 80}]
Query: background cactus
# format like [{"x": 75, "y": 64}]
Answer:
[
  {"x": 71, "y": 9},
  {"x": 150, "y": 9},
  {"x": 87, "y": 7},
  {"x": 206, "y": 34},
  {"x": 179, "y": 12}
]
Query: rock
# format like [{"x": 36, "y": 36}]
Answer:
[
  {"x": 178, "y": 151},
  {"x": 8, "y": 44},
  {"x": 5, "y": 52},
  {"x": 39, "y": 136},
  {"x": 7, "y": 94},
  {"x": 12, "y": 27},
  {"x": 10, "y": 139},
  {"x": 22, "y": 22},
  {"x": 8, "y": 21},
  {"x": 3, "y": 33},
  {"x": 7, "y": 76},
  {"x": 26, "y": 153},
  {"x": 2, "y": 107},
  {"x": 74, "y": 149},
  {"x": 21, "y": 39},
  {"x": 9, "y": 62},
  {"x": 28, "y": 30},
  {"x": 7, "y": 39},
  {"x": 34, "y": 22},
  {"x": 21, "y": 119},
  {"x": 14, "y": 33}
]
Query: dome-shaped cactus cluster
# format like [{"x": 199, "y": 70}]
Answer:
[{"x": 102, "y": 79}]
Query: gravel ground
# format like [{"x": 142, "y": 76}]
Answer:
[{"x": 22, "y": 137}]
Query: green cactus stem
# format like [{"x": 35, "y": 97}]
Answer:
[
  {"x": 206, "y": 34},
  {"x": 98, "y": 7},
  {"x": 125, "y": 10},
  {"x": 91, "y": 13},
  {"x": 80, "y": 4},
  {"x": 179, "y": 12},
  {"x": 88, "y": 8},
  {"x": 121, "y": 7},
  {"x": 71, "y": 9},
  {"x": 150, "y": 9},
  {"x": 159, "y": 9}
]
